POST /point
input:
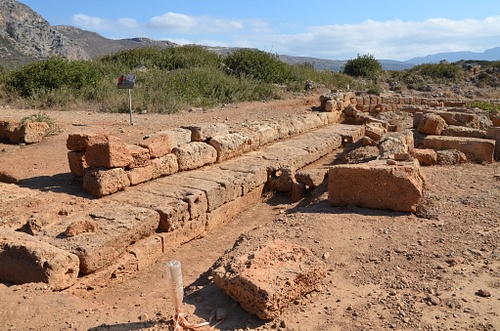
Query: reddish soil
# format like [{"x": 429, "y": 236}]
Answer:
[{"x": 386, "y": 270}]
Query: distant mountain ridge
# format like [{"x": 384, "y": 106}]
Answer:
[{"x": 26, "y": 36}]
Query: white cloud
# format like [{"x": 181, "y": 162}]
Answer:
[
  {"x": 104, "y": 25},
  {"x": 180, "y": 23}
]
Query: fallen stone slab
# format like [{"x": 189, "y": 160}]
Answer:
[
  {"x": 476, "y": 149},
  {"x": 376, "y": 185},
  {"x": 119, "y": 226},
  {"x": 267, "y": 279},
  {"x": 25, "y": 259}
]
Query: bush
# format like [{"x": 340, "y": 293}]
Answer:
[
  {"x": 255, "y": 64},
  {"x": 365, "y": 66},
  {"x": 52, "y": 74},
  {"x": 441, "y": 71}
]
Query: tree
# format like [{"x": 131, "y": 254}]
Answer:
[{"x": 363, "y": 66}]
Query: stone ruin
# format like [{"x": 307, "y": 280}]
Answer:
[
  {"x": 18, "y": 132},
  {"x": 178, "y": 184}
]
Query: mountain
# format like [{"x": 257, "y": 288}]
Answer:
[
  {"x": 26, "y": 36},
  {"x": 492, "y": 54}
]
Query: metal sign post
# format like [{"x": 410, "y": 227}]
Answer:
[{"x": 127, "y": 82}]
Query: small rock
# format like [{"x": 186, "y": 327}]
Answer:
[
  {"x": 433, "y": 299},
  {"x": 483, "y": 293}
]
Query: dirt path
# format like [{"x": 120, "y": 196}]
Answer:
[{"x": 386, "y": 270}]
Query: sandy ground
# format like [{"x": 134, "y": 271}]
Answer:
[{"x": 386, "y": 270}]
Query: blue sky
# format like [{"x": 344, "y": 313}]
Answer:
[{"x": 330, "y": 29}]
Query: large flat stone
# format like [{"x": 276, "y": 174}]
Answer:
[
  {"x": 476, "y": 149},
  {"x": 26, "y": 259},
  {"x": 376, "y": 185},
  {"x": 268, "y": 278},
  {"x": 119, "y": 226}
]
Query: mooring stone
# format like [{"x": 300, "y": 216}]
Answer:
[
  {"x": 376, "y": 185},
  {"x": 25, "y": 259},
  {"x": 268, "y": 278}
]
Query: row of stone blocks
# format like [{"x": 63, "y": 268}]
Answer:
[
  {"x": 108, "y": 165},
  {"x": 128, "y": 230},
  {"x": 372, "y": 103}
]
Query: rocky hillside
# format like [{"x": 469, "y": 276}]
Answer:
[{"x": 26, "y": 36}]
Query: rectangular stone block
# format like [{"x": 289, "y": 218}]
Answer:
[
  {"x": 178, "y": 136},
  {"x": 119, "y": 226},
  {"x": 108, "y": 153},
  {"x": 194, "y": 155},
  {"x": 205, "y": 131},
  {"x": 376, "y": 185},
  {"x": 267, "y": 278},
  {"x": 77, "y": 164},
  {"x": 230, "y": 145},
  {"x": 476, "y": 149},
  {"x": 165, "y": 165},
  {"x": 158, "y": 144},
  {"x": 26, "y": 259},
  {"x": 140, "y": 156},
  {"x": 100, "y": 182},
  {"x": 140, "y": 175}
]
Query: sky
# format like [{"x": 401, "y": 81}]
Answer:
[{"x": 328, "y": 29}]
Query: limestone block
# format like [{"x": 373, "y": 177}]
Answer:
[
  {"x": 230, "y": 145},
  {"x": 12, "y": 132},
  {"x": 77, "y": 164},
  {"x": 450, "y": 157},
  {"x": 100, "y": 182},
  {"x": 33, "y": 132},
  {"x": 80, "y": 141},
  {"x": 280, "y": 179},
  {"x": 376, "y": 185},
  {"x": 195, "y": 155},
  {"x": 462, "y": 131},
  {"x": 178, "y": 136},
  {"x": 375, "y": 130},
  {"x": 158, "y": 144},
  {"x": 140, "y": 175},
  {"x": 311, "y": 178},
  {"x": 431, "y": 123},
  {"x": 25, "y": 259},
  {"x": 265, "y": 133},
  {"x": 119, "y": 227},
  {"x": 266, "y": 279},
  {"x": 108, "y": 153},
  {"x": 494, "y": 134},
  {"x": 476, "y": 149},
  {"x": 165, "y": 165},
  {"x": 204, "y": 132},
  {"x": 426, "y": 157},
  {"x": 495, "y": 119},
  {"x": 141, "y": 156}
]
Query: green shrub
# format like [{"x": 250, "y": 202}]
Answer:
[
  {"x": 365, "y": 66},
  {"x": 485, "y": 105},
  {"x": 439, "y": 71},
  {"x": 52, "y": 74},
  {"x": 259, "y": 65}
]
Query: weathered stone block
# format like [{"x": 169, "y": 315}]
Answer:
[
  {"x": 204, "y": 132},
  {"x": 267, "y": 279},
  {"x": 178, "y": 136},
  {"x": 80, "y": 141},
  {"x": 33, "y": 132},
  {"x": 140, "y": 156},
  {"x": 25, "y": 259},
  {"x": 77, "y": 164},
  {"x": 194, "y": 155},
  {"x": 376, "y": 185},
  {"x": 426, "y": 157},
  {"x": 108, "y": 153},
  {"x": 100, "y": 182},
  {"x": 158, "y": 144},
  {"x": 431, "y": 123},
  {"x": 476, "y": 149},
  {"x": 462, "y": 131},
  {"x": 140, "y": 175},
  {"x": 165, "y": 165},
  {"x": 230, "y": 145}
]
